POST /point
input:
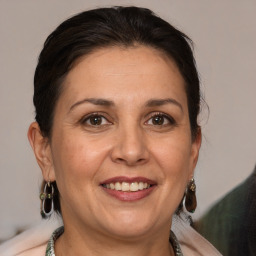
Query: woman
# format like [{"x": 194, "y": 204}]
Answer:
[{"x": 116, "y": 135}]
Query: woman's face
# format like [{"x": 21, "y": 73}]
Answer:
[{"x": 121, "y": 149}]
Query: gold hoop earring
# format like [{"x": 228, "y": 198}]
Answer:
[{"x": 190, "y": 198}]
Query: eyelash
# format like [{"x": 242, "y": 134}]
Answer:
[
  {"x": 92, "y": 115},
  {"x": 171, "y": 121}
]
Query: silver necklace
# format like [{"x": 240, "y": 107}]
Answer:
[
  {"x": 50, "y": 246},
  {"x": 175, "y": 244},
  {"x": 59, "y": 231}
]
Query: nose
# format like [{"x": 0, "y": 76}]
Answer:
[{"x": 130, "y": 147}]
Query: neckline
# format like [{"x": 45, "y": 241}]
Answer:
[
  {"x": 59, "y": 231},
  {"x": 175, "y": 244},
  {"x": 50, "y": 246}
]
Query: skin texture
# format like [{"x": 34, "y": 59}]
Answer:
[{"x": 80, "y": 155}]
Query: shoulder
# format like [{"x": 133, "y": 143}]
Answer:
[
  {"x": 31, "y": 242},
  {"x": 191, "y": 242},
  {"x": 27, "y": 248},
  {"x": 38, "y": 251}
]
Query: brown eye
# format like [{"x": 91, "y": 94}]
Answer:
[
  {"x": 95, "y": 120},
  {"x": 158, "y": 120}
]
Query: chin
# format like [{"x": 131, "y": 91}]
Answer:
[
  {"x": 130, "y": 232},
  {"x": 129, "y": 226}
]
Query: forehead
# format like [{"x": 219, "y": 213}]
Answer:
[{"x": 136, "y": 70}]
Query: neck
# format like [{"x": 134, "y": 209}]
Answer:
[{"x": 83, "y": 241}]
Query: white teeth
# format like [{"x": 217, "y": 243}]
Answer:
[
  {"x": 118, "y": 186},
  {"x": 141, "y": 186},
  {"x": 126, "y": 186},
  {"x": 134, "y": 186}
]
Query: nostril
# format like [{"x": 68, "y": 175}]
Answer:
[
  {"x": 130, "y": 162},
  {"x": 120, "y": 160}
]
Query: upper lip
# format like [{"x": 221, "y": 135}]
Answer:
[{"x": 129, "y": 180}]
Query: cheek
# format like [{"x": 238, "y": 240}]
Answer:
[
  {"x": 174, "y": 155},
  {"x": 174, "y": 159},
  {"x": 76, "y": 157}
]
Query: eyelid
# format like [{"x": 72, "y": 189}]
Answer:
[
  {"x": 98, "y": 114},
  {"x": 167, "y": 116}
]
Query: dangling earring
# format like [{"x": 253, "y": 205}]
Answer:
[
  {"x": 190, "y": 198},
  {"x": 47, "y": 206}
]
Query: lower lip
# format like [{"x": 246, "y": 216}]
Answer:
[{"x": 129, "y": 196}]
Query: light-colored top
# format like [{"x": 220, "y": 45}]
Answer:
[{"x": 33, "y": 242}]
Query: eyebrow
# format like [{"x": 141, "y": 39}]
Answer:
[
  {"x": 109, "y": 103},
  {"x": 94, "y": 101},
  {"x": 161, "y": 102}
]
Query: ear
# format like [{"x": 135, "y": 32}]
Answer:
[
  {"x": 42, "y": 151},
  {"x": 196, "y": 144}
]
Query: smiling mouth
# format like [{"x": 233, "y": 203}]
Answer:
[
  {"x": 127, "y": 186},
  {"x": 128, "y": 189}
]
